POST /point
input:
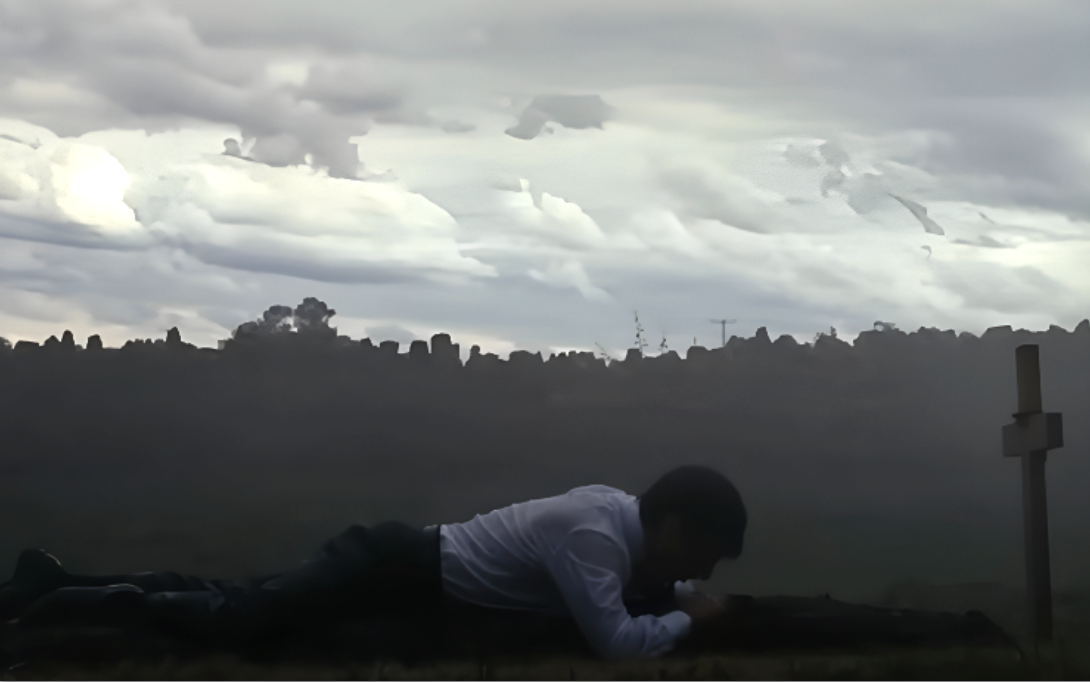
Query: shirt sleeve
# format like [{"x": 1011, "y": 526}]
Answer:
[{"x": 586, "y": 567}]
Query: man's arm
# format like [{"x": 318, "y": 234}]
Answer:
[
  {"x": 658, "y": 601},
  {"x": 586, "y": 568}
]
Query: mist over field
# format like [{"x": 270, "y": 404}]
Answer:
[{"x": 863, "y": 466}]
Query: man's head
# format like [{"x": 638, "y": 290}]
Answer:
[{"x": 692, "y": 517}]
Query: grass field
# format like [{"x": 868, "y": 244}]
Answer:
[
  {"x": 948, "y": 664},
  {"x": 1068, "y": 658}
]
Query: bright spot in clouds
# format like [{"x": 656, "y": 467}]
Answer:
[{"x": 90, "y": 186}]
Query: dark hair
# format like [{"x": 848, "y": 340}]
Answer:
[{"x": 704, "y": 499}]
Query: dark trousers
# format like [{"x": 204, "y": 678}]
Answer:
[{"x": 389, "y": 569}]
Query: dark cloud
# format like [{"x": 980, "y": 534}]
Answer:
[
  {"x": 570, "y": 111},
  {"x": 1002, "y": 153},
  {"x": 280, "y": 150},
  {"x": 231, "y": 148},
  {"x": 349, "y": 89},
  {"x": 991, "y": 286},
  {"x": 920, "y": 212},
  {"x": 147, "y": 66},
  {"x": 865, "y": 192},
  {"x": 983, "y": 240},
  {"x": 409, "y": 117},
  {"x": 834, "y": 154},
  {"x": 832, "y": 180},
  {"x": 456, "y": 127},
  {"x": 276, "y": 259},
  {"x": 700, "y": 196},
  {"x": 801, "y": 157},
  {"x": 511, "y": 185},
  {"x": 530, "y": 124},
  {"x": 67, "y": 233},
  {"x": 116, "y": 310},
  {"x": 156, "y": 64},
  {"x": 12, "y": 138}
]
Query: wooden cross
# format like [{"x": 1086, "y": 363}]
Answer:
[{"x": 1030, "y": 437}]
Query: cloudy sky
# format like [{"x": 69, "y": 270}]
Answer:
[{"x": 527, "y": 175}]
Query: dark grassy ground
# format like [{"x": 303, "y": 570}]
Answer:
[
  {"x": 923, "y": 665},
  {"x": 1067, "y": 658}
]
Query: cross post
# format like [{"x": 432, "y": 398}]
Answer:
[{"x": 1030, "y": 437}]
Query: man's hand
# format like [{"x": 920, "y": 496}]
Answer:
[
  {"x": 702, "y": 608},
  {"x": 716, "y": 619}
]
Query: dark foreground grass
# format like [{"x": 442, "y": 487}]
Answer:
[
  {"x": 932, "y": 664},
  {"x": 1068, "y": 658},
  {"x": 778, "y": 667}
]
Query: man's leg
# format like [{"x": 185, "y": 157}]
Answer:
[
  {"x": 363, "y": 571},
  {"x": 38, "y": 573},
  {"x": 150, "y": 582},
  {"x": 385, "y": 569}
]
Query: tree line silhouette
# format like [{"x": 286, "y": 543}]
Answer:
[{"x": 282, "y": 330}]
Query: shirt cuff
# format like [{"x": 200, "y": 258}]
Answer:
[
  {"x": 683, "y": 587},
  {"x": 678, "y": 623}
]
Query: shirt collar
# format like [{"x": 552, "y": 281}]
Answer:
[{"x": 633, "y": 530}]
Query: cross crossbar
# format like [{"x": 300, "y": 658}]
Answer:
[{"x": 1032, "y": 432}]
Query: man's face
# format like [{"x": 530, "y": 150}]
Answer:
[
  {"x": 675, "y": 553},
  {"x": 690, "y": 562}
]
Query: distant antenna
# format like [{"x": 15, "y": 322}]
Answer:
[
  {"x": 604, "y": 354},
  {"x": 640, "y": 343},
  {"x": 723, "y": 324}
]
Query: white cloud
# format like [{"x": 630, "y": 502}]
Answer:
[
  {"x": 235, "y": 213},
  {"x": 90, "y": 187},
  {"x": 287, "y": 72},
  {"x": 63, "y": 180},
  {"x": 570, "y": 273},
  {"x": 564, "y": 223}
]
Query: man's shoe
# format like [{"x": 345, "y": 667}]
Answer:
[
  {"x": 111, "y": 606},
  {"x": 37, "y": 573}
]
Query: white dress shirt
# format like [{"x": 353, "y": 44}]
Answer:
[{"x": 566, "y": 555}]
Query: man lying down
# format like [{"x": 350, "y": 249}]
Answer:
[{"x": 589, "y": 554}]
